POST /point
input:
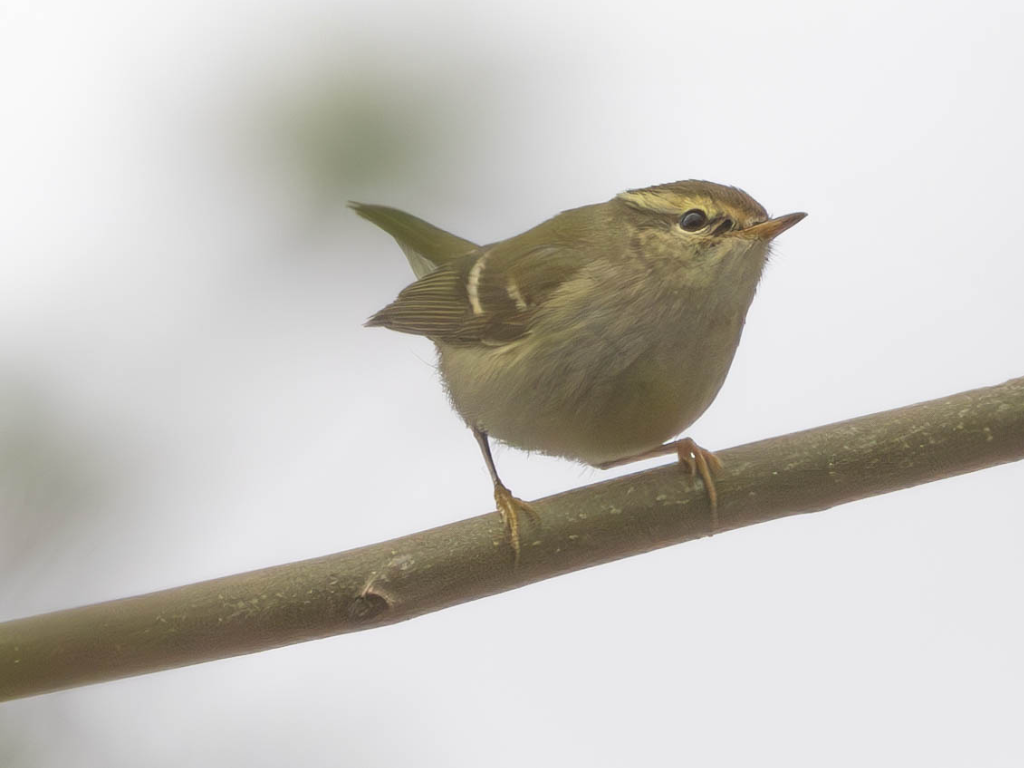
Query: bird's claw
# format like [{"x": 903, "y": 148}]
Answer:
[
  {"x": 700, "y": 461},
  {"x": 509, "y": 508}
]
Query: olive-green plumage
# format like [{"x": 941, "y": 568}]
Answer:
[{"x": 598, "y": 334}]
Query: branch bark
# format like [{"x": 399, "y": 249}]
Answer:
[{"x": 397, "y": 580}]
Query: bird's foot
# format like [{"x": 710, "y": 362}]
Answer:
[
  {"x": 509, "y": 508},
  {"x": 700, "y": 461},
  {"x": 697, "y": 460}
]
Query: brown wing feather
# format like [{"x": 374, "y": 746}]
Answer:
[{"x": 509, "y": 288}]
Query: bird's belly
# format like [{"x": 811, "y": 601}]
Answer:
[{"x": 584, "y": 402}]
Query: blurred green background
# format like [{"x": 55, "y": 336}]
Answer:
[{"x": 186, "y": 390}]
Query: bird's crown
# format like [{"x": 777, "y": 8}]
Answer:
[{"x": 713, "y": 201}]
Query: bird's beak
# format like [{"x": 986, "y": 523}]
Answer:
[{"x": 769, "y": 230}]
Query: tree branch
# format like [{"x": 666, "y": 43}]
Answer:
[{"x": 400, "y": 579}]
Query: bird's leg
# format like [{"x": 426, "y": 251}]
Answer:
[
  {"x": 697, "y": 460},
  {"x": 509, "y": 506}
]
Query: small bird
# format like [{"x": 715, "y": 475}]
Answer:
[{"x": 597, "y": 335}]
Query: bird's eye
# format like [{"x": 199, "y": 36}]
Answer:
[{"x": 693, "y": 220}]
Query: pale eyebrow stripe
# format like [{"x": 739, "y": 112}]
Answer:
[{"x": 641, "y": 198}]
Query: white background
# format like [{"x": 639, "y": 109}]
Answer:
[{"x": 186, "y": 390}]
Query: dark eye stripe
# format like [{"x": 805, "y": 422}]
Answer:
[{"x": 724, "y": 227}]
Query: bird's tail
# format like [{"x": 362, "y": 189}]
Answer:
[{"x": 425, "y": 246}]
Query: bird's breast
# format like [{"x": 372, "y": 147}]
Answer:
[{"x": 595, "y": 385}]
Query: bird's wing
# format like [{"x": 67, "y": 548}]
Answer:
[
  {"x": 488, "y": 298},
  {"x": 425, "y": 246}
]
